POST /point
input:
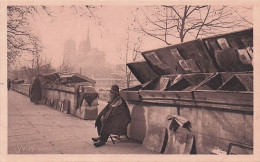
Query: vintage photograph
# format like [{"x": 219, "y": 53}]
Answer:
[{"x": 130, "y": 79}]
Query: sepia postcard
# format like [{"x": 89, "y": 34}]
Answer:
[{"x": 129, "y": 81}]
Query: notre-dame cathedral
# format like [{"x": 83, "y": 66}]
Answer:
[{"x": 83, "y": 58}]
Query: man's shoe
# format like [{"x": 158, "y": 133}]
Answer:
[
  {"x": 95, "y": 139},
  {"x": 100, "y": 143}
]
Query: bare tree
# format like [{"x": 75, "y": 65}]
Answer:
[
  {"x": 243, "y": 17},
  {"x": 167, "y": 23},
  {"x": 134, "y": 42},
  {"x": 132, "y": 53},
  {"x": 135, "y": 49},
  {"x": 20, "y": 39},
  {"x": 67, "y": 67},
  {"x": 37, "y": 66}
]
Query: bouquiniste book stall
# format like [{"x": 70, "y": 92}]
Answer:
[{"x": 206, "y": 86}]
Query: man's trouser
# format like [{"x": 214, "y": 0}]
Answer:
[{"x": 103, "y": 136}]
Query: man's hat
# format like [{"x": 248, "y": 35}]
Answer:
[{"x": 114, "y": 89}]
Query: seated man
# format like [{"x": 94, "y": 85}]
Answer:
[{"x": 113, "y": 119}]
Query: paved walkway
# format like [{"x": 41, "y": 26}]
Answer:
[{"x": 39, "y": 129}]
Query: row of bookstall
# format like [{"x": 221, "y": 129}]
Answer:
[
  {"x": 208, "y": 82},
  {"x": 70, "y": 93}
]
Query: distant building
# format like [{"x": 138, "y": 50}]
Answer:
[
  {"x": 85, "y": 44},
  {"x": 84, "y": 59},
  {"x": 69, "y": 51},
  {"x": 91, "y": 62}
]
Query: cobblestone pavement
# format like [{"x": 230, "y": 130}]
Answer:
[{"x": 39, "y": 129}]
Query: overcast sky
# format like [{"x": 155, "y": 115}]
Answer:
[{"x": 109, "y": 37}]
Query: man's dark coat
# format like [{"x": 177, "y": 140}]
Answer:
[
  {"x": 35, "y": 90},
  {"x": 116, "y": 117}
]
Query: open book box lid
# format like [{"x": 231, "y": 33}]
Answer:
[
  {"x": 187, "y": 57},
  {"x": 142, "y": 71},
  {"x": 198, "y": 56}
]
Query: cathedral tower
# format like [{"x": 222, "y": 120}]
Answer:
[{"x": 84, "y": 46}]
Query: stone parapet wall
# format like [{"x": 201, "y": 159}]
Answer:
[
  {"x": 21, "y": 88},
  {"x": 63, "y": 99},
  {"x": 213, "y": 128},
  {"x": 63, "y": 93}
]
